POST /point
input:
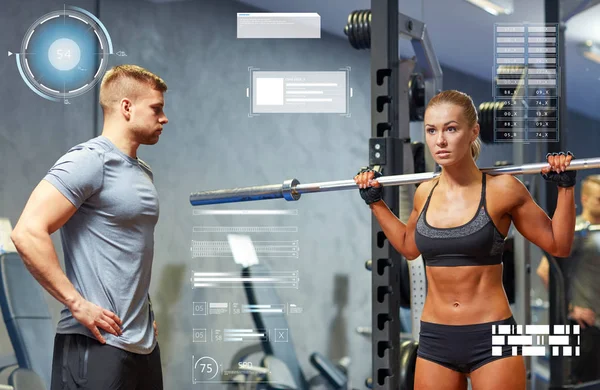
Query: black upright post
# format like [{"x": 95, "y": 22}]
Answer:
[
  {"x": 386, "y": 152},
  {"x": 559, "y": 367},
  {"x": 553, "y": 15},
  {"x": 97, "y": 129}
]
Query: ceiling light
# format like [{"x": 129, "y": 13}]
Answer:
[
  {"x": 495, "y": 7},
  {"x": 590, "y": 51}
]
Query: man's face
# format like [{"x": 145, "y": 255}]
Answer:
[
  {"x": 590, "y": 198},
  {"x": 148, "y": 117}
]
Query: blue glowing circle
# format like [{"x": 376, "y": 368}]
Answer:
[{"x": 64, "y": 53}]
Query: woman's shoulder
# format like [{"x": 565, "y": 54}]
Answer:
[
  {"x": 506, "y": 186},
  {"x": 503, "y": 181},
  {"x": 423, "y": 191}
]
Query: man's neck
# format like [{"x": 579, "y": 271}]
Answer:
[
  {"x": 121, "y": 141},
  {"x": 591, "y": 219}
]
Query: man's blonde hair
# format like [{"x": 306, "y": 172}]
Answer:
[
  {"x": 127, "y": 81},
  {"x": 585, "y": 184}
]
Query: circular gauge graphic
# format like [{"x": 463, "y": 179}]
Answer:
[
  {"x": 64, "y": 54},
  {"x": 205, "y": 369}
]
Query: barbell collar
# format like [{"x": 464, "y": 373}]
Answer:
[{"x": 289, "y": 190}]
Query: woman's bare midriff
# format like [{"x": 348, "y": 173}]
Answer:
[{"x": 465, "y": 295}]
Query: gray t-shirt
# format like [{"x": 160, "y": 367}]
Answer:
[
  {"x": 108, "y": 243},
  {"x": 585, "y": 277}
]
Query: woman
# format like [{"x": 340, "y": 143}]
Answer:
[{"x": 458, "y": 224}]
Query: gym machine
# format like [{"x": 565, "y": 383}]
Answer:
[
  {"x": 561, "y": 271},
  {"x": 397, "y": 97}
]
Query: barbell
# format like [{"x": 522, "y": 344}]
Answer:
[{"x": 291, "y": 190}]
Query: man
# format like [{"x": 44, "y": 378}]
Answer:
[
  {"x": 582, "y": 274},
  {"x": 102, "y": 197}
]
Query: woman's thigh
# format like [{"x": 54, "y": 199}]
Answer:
[
  {"x": 430, "y": 375},
  {"x": 501, "y": 374}
]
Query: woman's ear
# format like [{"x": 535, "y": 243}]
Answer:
[{"x": 476, "y": 130}]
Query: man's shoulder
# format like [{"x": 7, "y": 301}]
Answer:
[
  {"x": 79, "y": 172},
  {"x": 94, "y": 145}
]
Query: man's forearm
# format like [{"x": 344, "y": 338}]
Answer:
[{"x": 38, "y": 254}]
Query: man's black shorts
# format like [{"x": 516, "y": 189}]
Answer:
[
  {"x": 80, "y": 362},
  {"x": 586, "y": 366}
]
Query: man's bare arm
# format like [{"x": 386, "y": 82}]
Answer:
[
  {"x": 543, "y": 271},
  {"x": 46, "y": 211}
]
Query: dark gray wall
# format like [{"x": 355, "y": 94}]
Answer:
[
  {"x": 34, "y": 132},
  {"x": 211, "y": 143}
]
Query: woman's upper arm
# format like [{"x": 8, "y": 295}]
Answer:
[
  {"x": 528, "y": 217},
  {"x": 412, "y": 252}
]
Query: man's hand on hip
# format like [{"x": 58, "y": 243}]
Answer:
[
  {"x": 584, "y": 317},
  {"x": 94, "y": 318}
]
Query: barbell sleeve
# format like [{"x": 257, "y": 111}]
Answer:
[
  {"x": 287, "y": 190},
  {"x": 291, "y": 190}
]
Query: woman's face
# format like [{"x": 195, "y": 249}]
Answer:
[{"x": 447, "y": 134}]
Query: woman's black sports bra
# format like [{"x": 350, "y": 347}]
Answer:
[{"x": 478, "y": 242}]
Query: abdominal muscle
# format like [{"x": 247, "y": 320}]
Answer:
[{"x": 465, "y": 295}]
